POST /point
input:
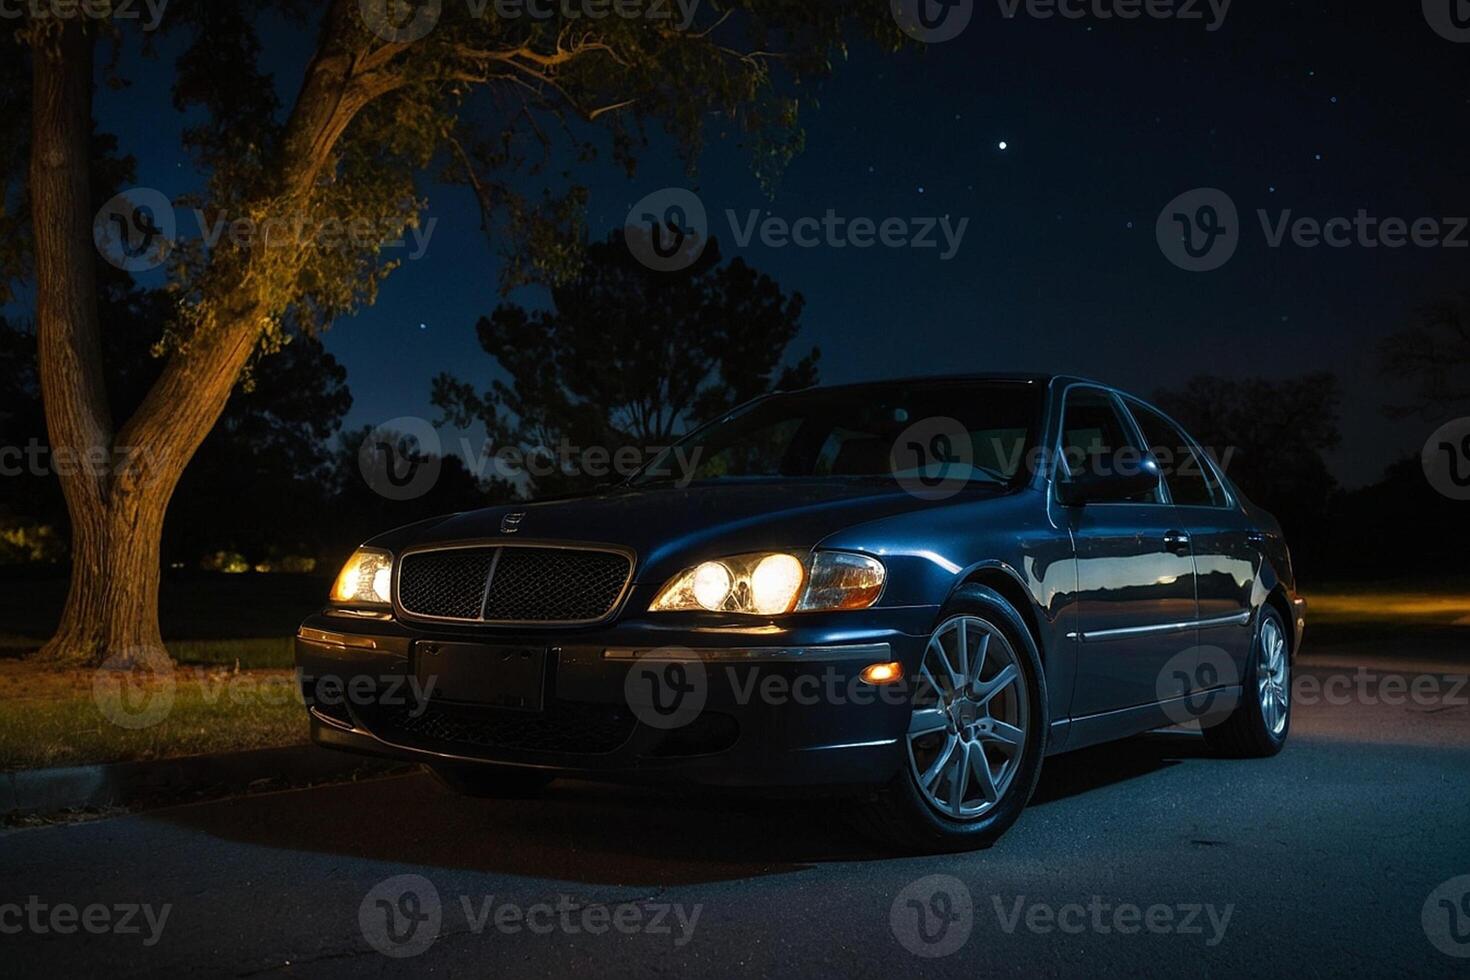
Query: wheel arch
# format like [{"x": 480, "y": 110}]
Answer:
[
  {"x": 1003, "y": 579},
  {"x": 1278, "y": 600}
]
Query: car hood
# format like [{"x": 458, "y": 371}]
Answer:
[{"x": 670, "y": 528}]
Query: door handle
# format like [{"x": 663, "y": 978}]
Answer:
[{"x": 1176, "y": 542}]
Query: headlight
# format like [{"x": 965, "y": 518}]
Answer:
[
  {"x": 366, "y": 579},
  {"x": 771, "y": 583}
]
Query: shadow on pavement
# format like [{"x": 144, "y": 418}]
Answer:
[{"x": 597, "y": 834}]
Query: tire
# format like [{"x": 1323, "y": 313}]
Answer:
[
  {"x": 904, "y": 814},
  {"x": 487, "y": 781},
  {"x": 1252, "y": 730}
]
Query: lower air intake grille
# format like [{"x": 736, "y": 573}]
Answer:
[{"x": 564, "y": 726}]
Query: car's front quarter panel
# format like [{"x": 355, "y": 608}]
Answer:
[{"x": 932, "y": 551}]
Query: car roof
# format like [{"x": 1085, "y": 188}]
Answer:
[{"x": 1022, "y": 377}]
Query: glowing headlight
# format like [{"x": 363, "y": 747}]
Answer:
[
  {"x": 366, "y": 579},
  {"x": 775, "y": 584},
  {"x": 711, "y": 585},
  {"x": 772, "y": 583}
]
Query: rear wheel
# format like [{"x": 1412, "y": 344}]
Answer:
[
  {"x": 491, "y": 781},
  {"x": 976, "y": 735},
  {"x": 1260, "y": 723}
]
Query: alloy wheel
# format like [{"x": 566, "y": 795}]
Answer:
[
  {"x": 1273, "y": 678},
  {"x": 970, "y": 716}
]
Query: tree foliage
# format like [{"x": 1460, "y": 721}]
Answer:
[
  {"x": 1432, "y": 358},
  {"x": 1272, "y": 436},
  {"x": 494, "y": 100},
  {"x": 630, "y": 357}
]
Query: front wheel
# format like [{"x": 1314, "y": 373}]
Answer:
[{"x": 976, "y": 735}]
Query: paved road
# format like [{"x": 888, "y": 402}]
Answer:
[{"x": 1145, "y": 858}]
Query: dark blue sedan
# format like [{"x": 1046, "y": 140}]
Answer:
[{"x": 907, "y": 593}]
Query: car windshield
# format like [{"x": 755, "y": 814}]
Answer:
[{"x": 967, "y": 431}]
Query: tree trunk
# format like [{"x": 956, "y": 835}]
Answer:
[
  {"x": 117, "y": 506},
  {"x": 111, "y": 612}
]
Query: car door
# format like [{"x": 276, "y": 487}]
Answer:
[
  {"x": 1136, "y": 604},
  {"x": 1226, "y": 554}
]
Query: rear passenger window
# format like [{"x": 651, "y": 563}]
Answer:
[
  {"x": 1095, "y": 437},
  {"x": 1190, "y": 480}
]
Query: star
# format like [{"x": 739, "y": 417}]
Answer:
[{"x": 1003, "y": 144}]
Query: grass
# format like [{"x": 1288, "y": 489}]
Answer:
[
  {"x": 1384, "y": 605},
  {"x": 234, "y": 689},
  {"x": 75, "y": 717}
]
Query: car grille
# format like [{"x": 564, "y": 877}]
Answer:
[
  {"x": 513, "y": 584},
  {"x": 565, "y": 726}
]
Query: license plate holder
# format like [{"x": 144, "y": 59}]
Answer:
[{"x": 511, "y": 677}]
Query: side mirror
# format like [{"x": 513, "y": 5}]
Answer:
[{"x": 1115, "y": 486}]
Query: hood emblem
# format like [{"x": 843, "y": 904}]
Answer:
[{"x": 511, "y": 523}]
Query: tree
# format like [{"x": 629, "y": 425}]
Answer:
[
  {"x": 1432, "y": 356},
  {"x": 629, "y": 357},
  {"x": 1271, "y": 436},
  {"x": 270, "y": 445},
  {"x": 379, "y": 103}
]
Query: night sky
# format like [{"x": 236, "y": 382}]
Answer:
[{"x": 1321, "y": 108}]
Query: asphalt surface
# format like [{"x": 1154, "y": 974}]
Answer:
[{"x": 1145, "y": 858}]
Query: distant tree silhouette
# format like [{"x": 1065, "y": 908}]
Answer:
[
  {"x": 1272, "y": 435},
  {"x": 1432, "y": 357},
  {"x": 628, "y": 356}
]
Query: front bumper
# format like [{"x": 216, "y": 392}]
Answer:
[{"x": 780, "y": 704}]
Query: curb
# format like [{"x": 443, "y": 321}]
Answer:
[{"x": 123, "y": 783}]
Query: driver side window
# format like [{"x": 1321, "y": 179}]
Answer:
[{"x": 1095, "y": 439}]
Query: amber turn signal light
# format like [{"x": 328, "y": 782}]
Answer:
[{"x": 878, "y": 674}]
